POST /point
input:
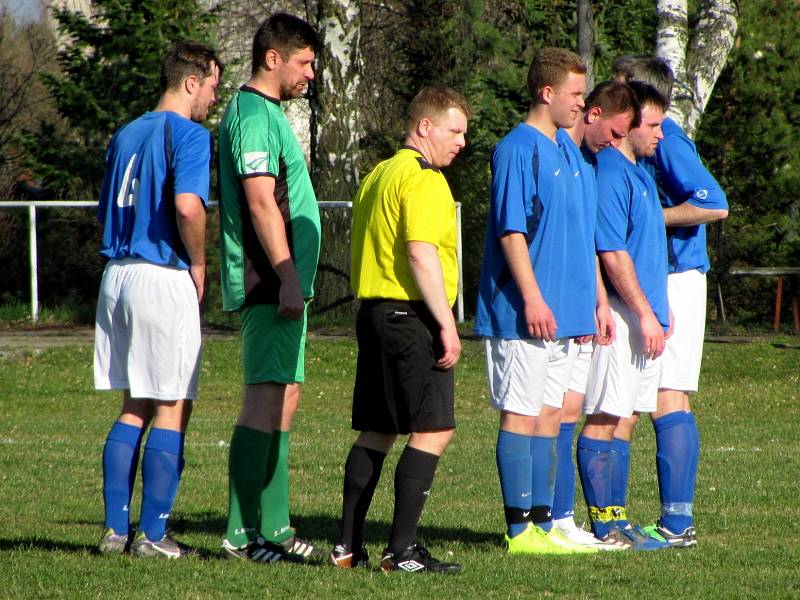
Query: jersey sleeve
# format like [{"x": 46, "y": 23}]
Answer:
[
  {"x": 684, "y": 177},
  {"x": 192, "y": 162},
  {"x": 613, "y": 208},
  {"x": 425, "y": 200},
  {"x": 511, "y": 177},
  {"x": 256, "y": 147}
]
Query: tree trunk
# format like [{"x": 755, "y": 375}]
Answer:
[
  {"x": 335, "y": 133},
  {"x": 586, "y": 39},
  {"x": 696, "y": 62}
]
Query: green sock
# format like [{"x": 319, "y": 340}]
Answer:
[
  {"x": 275, "y": 525},
  {"x": 247, "y": 464}
]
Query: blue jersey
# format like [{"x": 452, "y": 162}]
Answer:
[
  {"x": 629, "y": 217},
  {"x": 534, "y": 192},
  {"x": 583, "y": 164},
  {"x": 681, "y": 178},
  {"x": 149, "y": 161}
]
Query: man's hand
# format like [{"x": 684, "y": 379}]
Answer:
[
  {"x": 290, "y": 300},
  {"x": 540, "y": 320},
  {"x": 606, "y": 328},
  {"x": 653, "y": 336},
  {"x": 451, "y": 346},
  {"x": 198, "y": 275}
]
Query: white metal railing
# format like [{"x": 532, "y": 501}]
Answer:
[{"x": 32, "y": 205}]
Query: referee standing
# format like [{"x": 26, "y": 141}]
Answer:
[{"x": 404, "y": 271}]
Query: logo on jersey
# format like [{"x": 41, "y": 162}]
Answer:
[
  {"x": 256, "y": 162},
  {"x": 129, "y": 190},
  {"x": 557, "y": 172},
  {"x": 701, "y": 194}
]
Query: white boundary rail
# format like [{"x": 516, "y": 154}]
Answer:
[{"x": 32, "y": 205}]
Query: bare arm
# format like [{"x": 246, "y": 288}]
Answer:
[
  {"x": 687, "y": 214},
  {"x": 621, "y": 272},
  {"x": 538, "y": 316},
  {"x": 426, "y": 268},
  {"x": 270, "y": 229},
  {"x": 191, "y": 220}
]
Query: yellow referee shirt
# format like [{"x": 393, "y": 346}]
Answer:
[{"x": 403, "y": 199}]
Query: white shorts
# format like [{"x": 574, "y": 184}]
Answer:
[
  {"x": 147, "y": 331},
  {"x": 526, "y": 374},
  {"x": 580, "y": 367},
  {"x": 680, "y": 363},
  {"x": 622, "y": 380}
]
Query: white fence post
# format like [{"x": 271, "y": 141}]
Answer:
[
  {"x": 34, "y": 259},
  {"x": 459, "y": 256}
]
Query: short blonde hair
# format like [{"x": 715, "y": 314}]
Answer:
[
  {"x": 432, "y": 102},
  {"x": 551, "y": 67}
]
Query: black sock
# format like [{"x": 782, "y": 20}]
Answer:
[
  {"x": 412, "y": 483},
  {"x": 362, "y": 470}
]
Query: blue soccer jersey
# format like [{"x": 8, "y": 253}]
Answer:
[
  {"x": 534, "y": 192},
  {"x": 583, "y": 164},
  {"x": 149, "y": 161},
  {"x": 681, "y": 178},
  {"x": 629, "y": 217}
]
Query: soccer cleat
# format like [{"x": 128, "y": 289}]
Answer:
[
  {"x": 166, "y": 547},
  {"x": 534, "y": 541},
  {"x": 657, "y": 531},
  {"x": 299, "y": 550},
  {"x": 344, "y": 558},
  {"x": 575, "y": 534},
  {"x": 558, "y": 538},
  {"x": 642, "y": 541},
  {"x": 415, "y": 559},
  {"x": 259, "y": 550},
  {"x": 113, "y": 543},
  {"x": 615, "y": 539}
]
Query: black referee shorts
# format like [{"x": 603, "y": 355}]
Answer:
[{"x": 398, "y": 389}]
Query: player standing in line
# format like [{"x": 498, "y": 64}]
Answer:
[
  {"x": 404, "y": 271},
  {"x": 270, "y": 239},
  {"x": 631, "y": 242},
  {"x": 611, "y": 111},
  {"x": 537, "y": 290},
  {"x": 690, "y": 197},
  {"x": 147, "y": 329}
]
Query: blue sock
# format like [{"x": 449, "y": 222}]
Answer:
[
  {"x": 120, "y": 460},
  {"x": 594, "y": 469},
  {"x": 543, "y": 480},
  {"x": 564, "y": 496},
  {"x": 620, "y": 467},
  {"x": 514, "y": 467},
  {"x": 677, "y": 453},
  {"x": 161, "y": 474}
]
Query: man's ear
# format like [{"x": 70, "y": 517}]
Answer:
[
  {"x": 271, "y": 58},
  {"x": 593, "y": 114},
  {"x": 546, "y": 94},
  {"x": 191, "y": 83},
  {"x": 424, "y": 127}
]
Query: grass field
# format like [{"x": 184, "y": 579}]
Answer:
[{"x": 53, "y": 424}]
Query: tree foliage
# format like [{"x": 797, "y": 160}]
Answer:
[
  {"x": 109, "y": 74},
  {"x": 749, "y": 138}
]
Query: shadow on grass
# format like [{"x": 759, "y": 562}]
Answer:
[{"x": 325, "y": 527}]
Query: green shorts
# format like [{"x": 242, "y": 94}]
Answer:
[{"x": 273, "y": 348}]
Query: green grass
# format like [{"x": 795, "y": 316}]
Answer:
[{"x": 53, "y": 424}]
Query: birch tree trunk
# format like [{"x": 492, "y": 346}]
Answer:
[
  {"x": 697, "y": 61},
  {"x": 586, "y": 39},
  {"x": 335, "y": 133}
]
